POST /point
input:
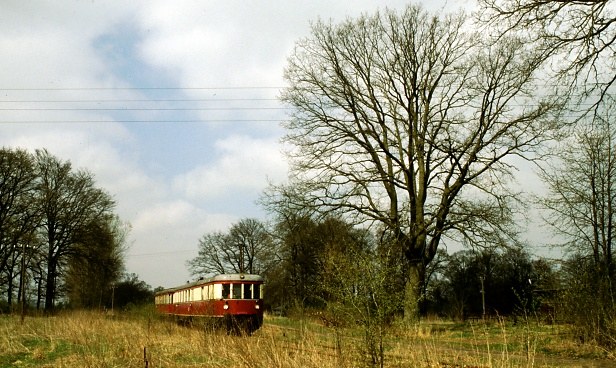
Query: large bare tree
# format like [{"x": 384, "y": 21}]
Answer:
[{"x": 406, "y": 120}]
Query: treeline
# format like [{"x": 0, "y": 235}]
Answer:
[
  {"x": 329, "y": 268},
  {"x": 315, "y": 260},
  {"x": 60, "y": 240}
]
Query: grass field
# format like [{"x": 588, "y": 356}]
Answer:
[{"x": 89, "y": 339}]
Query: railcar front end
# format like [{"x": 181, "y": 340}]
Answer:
[{"x": 233, "y": 300}]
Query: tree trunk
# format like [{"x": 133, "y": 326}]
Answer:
[
  {"x": 50, "y": 286},
  {"x": 412, "y": 292},
  {"x": 9, "y": 290},
  {"x": 39, "y": 292}
]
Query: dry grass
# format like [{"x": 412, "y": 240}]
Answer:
[{"x": 88, "y": 339}]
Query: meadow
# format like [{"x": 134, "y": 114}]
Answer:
[{"x": 91, "y": 339}]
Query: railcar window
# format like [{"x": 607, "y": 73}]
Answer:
[
  {"x": 226, "y": 291},
  {"x": 257, "y": 293},
  {"x": 237, "y": 291},
  {"x": 247, "y": 291}
]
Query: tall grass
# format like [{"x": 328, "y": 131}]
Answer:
[
  {"x": 85, "y": 339},
  {"x": 88, "y": 339}
]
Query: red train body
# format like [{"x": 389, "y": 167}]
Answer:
[{"x": 233, "y": 299}]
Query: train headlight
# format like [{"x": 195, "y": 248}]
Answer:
[
  {"x": 226, "y": 306},
  {"x": 257, "y": 306}
]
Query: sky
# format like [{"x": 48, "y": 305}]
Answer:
[{"x": 171, "y": 105}]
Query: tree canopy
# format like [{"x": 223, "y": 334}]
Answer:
[
  {"x": 245, "y": 248},
  {"x": 577, "y": 37},
  {"x": 57, "y": 230}
]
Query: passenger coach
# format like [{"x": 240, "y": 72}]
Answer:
[{"x": 235, "y": 299}]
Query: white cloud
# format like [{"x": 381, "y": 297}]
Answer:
[
  {"x": 242, "y": 164},
  {"x": 239, "y": 43}
]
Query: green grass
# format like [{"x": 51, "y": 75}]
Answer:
[{"x": 35, "y": 351}]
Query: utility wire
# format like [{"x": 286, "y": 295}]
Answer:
[
  {"x": 140, "y": 88},
  {"x": 151, "y": 254},
  {"x": 144, "y": 100},
  {"x": 146, "y": 109},
  {"x": 142, "y": 121}
]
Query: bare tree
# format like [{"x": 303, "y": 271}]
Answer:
[
  {"x": 216, "y": 255},
  {"x": 582, "y": 185},
  {"x": 408, "y": 121},
  {"x": 582, "y": 211},
  {"x": 254, "y": 243},
  {"x": 246, "y": 248},
  {"x": 578, "y": 36}
]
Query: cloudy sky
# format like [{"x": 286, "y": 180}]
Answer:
[{"x": 170, "y": 104}]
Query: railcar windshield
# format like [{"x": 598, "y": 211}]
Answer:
[
  {"x": 226, "y": 291},
  {"x": 241, "y": 291},
  {"x": 237, "y": 291}
]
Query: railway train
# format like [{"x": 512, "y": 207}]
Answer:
[{"x": 231, "y": 300}]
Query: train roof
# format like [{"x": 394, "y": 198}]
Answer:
[{"x": 222, "y": 277}]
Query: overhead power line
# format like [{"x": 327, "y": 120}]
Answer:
[
  {"x": 138, "y": 88},
  {"x": 144, "y": 100},
  {"x": 161, "y": 253},
  {"x": 142, "y": 121},
  {"x": 145, "y": 109},
  {"x": 166, "y": 105}
]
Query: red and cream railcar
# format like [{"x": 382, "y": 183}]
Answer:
[{"x": 235, "y": 299}]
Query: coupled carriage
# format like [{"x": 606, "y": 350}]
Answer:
[{"x": 231, "y": 300}]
